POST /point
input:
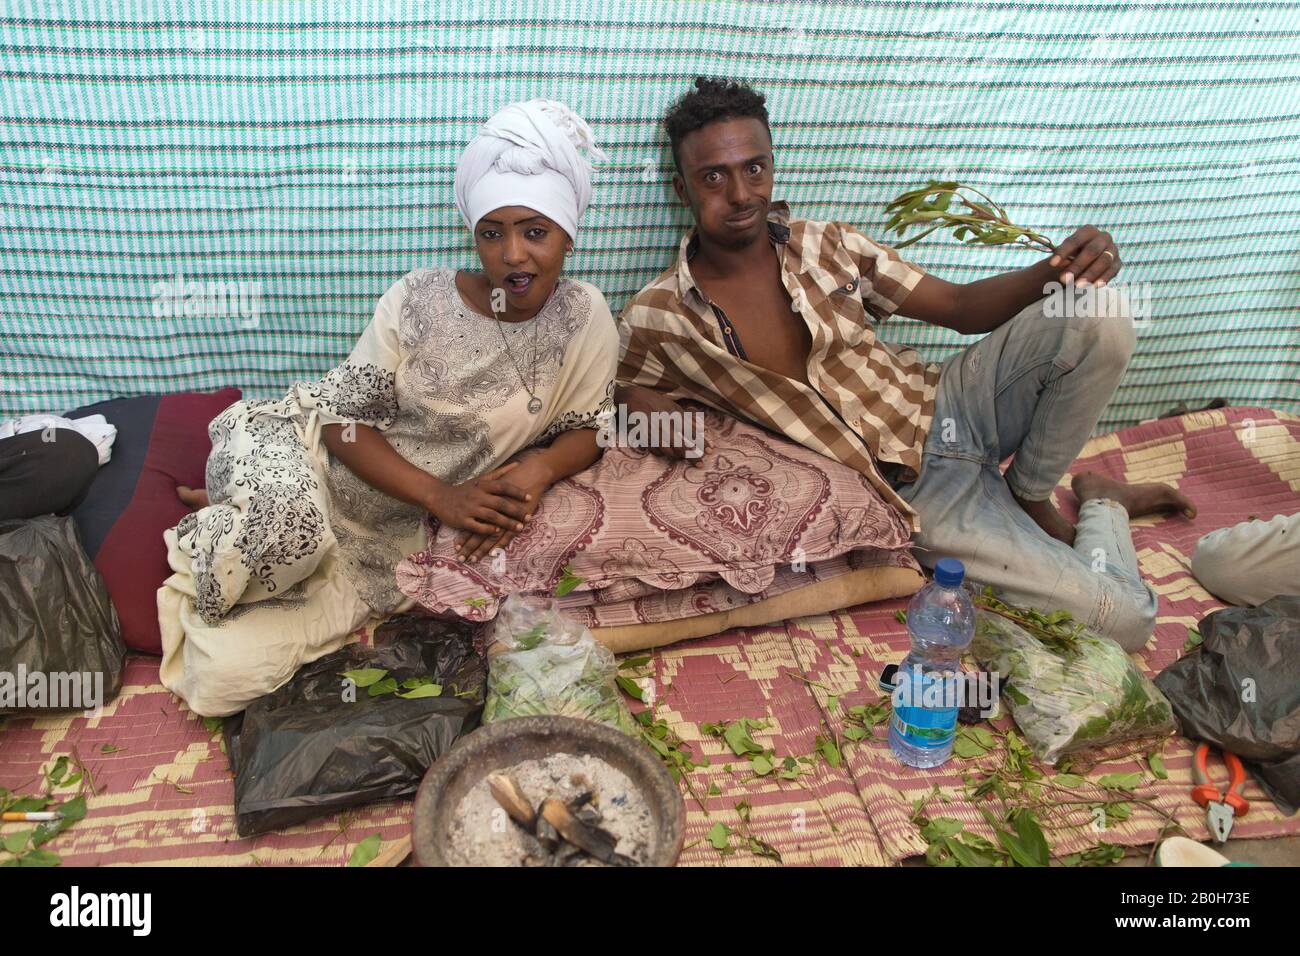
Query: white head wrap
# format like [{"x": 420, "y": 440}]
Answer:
[{"x": 527, "y": 154}]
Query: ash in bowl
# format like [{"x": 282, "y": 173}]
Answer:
[{"x": 560, "y": 810}]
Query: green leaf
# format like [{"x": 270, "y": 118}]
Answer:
[
  {"x": 760, "y": 764},
  {"x": 386, "y": 686},
  {"x": 73, "y": 810},
  {"x": 110, "y": 749},
  {"x": 414, "y": 682},
  {"x": 1032, "y": 838},
  {"x": 1121, "y": 781},
  {"x": 940, "y": 827},
  {"x": 1120, "y": 811},
  {"x": 365, "y": 851},
  {"x": 39, "y": 858},
  {"x": 533, "y": 638},
  {"x": 738, "y": 739},
  {"x": 829, "y": 751},
  {"x": 900, "y": 617},
  {"x": 1015, "y": 695},
  {"x": 634, "y": 662},
  {"x": 17, "y": 842},
  {"x": 631, "y": 687},
  {"x": 424, "y": 690},
  {"x": 720, "y": 836},
  {"x": 1069, "y": 780},
  {"x": 832, "y": 701},
  {"x": 1157, "y": 766},
  {"x": 1194, "y": 639},
  {"x": 29, "y": 804},
  {"x": 568, "y": 582},
  {"x": 364, "y": 677},
  {"x": 715, "y": 790},
  {"x": 854, "y": 733},
  {"x": 212, "y": 724},
  {"x": 55, "y": 773},
  {"x": 759, "y": 848},
  {"x": 967, "y": 855},
  {"x": 478, "y": 602}
]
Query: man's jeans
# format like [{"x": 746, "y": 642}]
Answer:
[{"x": 1034, "y": 387}]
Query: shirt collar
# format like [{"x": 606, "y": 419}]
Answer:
[{"x": 778, "y": 232}]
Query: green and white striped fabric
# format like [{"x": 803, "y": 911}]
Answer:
[{"x": 302, "y": 154}]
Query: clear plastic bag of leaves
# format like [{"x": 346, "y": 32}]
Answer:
[
  {"x": 1069, "y": 695},
  {"x": 540, "y": 662}
]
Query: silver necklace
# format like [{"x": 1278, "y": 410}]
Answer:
[{"x": 534, "y": 403}]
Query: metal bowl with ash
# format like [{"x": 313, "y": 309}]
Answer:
[{"x": 548, "y": 791}]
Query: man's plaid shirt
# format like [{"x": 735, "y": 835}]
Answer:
[{"x": 871, "y": 404}]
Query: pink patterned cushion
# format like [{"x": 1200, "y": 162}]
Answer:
[{"x": 635, "y": 523}]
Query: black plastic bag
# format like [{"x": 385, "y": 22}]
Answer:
[
  {"x": 1240, "y": 691},
  {"x": 61, "y": 645},
  {"x": 322, "y": 742}
]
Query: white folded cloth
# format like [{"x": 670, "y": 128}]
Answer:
[{"x": 94, "y": 427}]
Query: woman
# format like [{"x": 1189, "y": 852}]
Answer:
[{"x": 316, "y": 497}]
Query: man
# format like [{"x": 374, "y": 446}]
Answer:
[{"x": 772, "y": 319}]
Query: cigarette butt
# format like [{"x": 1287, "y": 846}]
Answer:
[{"x": 42, "y": 816}]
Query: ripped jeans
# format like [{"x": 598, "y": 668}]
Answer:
[{"x": 1035, "y": 387}]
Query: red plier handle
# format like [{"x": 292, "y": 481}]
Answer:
[{"x": 1206, "y": 790}]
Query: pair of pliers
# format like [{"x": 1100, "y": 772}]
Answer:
[{"x": 1221, "y": 806}]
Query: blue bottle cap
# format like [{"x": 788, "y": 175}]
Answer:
[{"x": 949, "y": 572}]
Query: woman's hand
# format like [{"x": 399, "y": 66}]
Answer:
[
  {"x": 531, "y": 472},
  {"x": 486, "y": 505}
]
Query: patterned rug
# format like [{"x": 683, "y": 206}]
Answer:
[{"x": 163, "y": 791}]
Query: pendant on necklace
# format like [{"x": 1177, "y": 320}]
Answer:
[{"x": 534, "y": 404}]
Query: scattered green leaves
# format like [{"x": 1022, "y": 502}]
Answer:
[{"x": 1193, "y": 639}]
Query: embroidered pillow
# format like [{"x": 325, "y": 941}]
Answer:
[{"x": 635, "y": 520}]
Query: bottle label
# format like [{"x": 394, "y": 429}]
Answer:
[{"x": 930, "y": 728}]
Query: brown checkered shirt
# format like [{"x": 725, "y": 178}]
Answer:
[{"x": 871, "y": 404}]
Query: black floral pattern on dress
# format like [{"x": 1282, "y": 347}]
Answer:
[
  {"x": 218, "y": 474},
  {"x": 281, "y": 526},
  {"x": 363, "y": 393},
  {"x": 572, "y": 419},
  {"x": 201, "y": 534}
]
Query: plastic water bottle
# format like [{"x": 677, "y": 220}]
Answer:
[{"x": 941, "y": 622}]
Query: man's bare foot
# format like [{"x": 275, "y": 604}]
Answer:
[
  {"x": 1048, "y": 518},
  {"x": 195, "y": 498},
  {"x": 1138, "y": 500}
]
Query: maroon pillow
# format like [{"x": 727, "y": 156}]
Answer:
[{"x": 162, "y": 441}]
